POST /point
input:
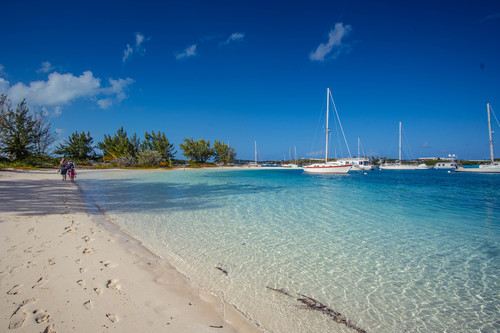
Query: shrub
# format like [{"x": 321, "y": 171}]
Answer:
[
  {"x": 149, "y": 158},
  {"x": 125, "y": 161}
]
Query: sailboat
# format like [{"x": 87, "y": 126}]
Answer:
[
  {"x": 255, "y": 163},
  {"x": 359, "y": 163},
  {"x": 401, "y": 166},
  {"x": 493, "y": 167},
  {"x": 328, "y": 167}
]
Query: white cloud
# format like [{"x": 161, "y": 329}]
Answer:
[
  {"x": 138, "y": 48},
  {"x": 139, "y": 38},
  {"x": 334, "y": 43},
  {"x": 46, "y": 67},
  {"x": 237, "y": 36},
  {"x": 4, "y": 86},
  {"x": 105, "y": 103},
  {"x": 188, "y": 52},
  {"x": 57, "y": 111},
  {"x": 117, "y": 88},
  {"x": 59, "y": 89},
  {"x": 62, "y": 89},
  {"x": 2, "y": 70},
  {"x": 127, "y": 53}
]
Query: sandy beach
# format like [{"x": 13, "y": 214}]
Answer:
[{"x": 64, "y": 269}]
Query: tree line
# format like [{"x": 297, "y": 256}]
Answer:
[{"x": 26, "y": 136}]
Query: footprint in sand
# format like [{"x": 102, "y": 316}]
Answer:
[
  {"x": 15, "y": 268},
  {"x": 15, "y": 290},
  {"x": 88, "y": 305},
  {"x": 87, "y": 239},
  {"x": 41, "y": 316},
  {"x": 29, "y": 249},
  {"x": 113, "y": 317},
  {"x": 17, "y": 319},
  {"x": 45, "y": 244},
  {"x": 109, "y": 264},
  {"x": 80, "y": 282},
  {"x": 19, "y": 316},
  {"x": 51, "y": 262},
  {"x": 82, "y": 270},
  {"x": 30, "y": 231},
  {"x": 88, "y": 251},
  {"x": 113, "y": 284},
  {"x": 49, "y": 329},
  {"x": 41, "y": 281},
  {"x": 12, "y": 248},
  {"x": 98, "y": 291},
  {"x": 67, "y": 231},
  {"x": 31, "y": 264},
  {"x": 37, "y": 253}
]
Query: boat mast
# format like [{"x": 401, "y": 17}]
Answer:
[
  {"x": 399, "y": 142},
  {"x": 358, "y": 149},
  {"x": 255, "y": 151},
  {"x": 489, "y": 131},
  {"x": 327, "y": 129}
]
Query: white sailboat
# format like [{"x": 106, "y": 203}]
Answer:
[
  {"x": 256, "y": 162},
  {"x": 401, "y": 166},
  {"x": 493, "y": 167},
  {"x": 328, "y": 167},
  {"x": 359, "y": 163}
]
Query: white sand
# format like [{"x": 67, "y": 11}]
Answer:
[{"x": 60, "y": 271}]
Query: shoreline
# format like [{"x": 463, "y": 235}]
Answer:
[{"x": 65, "y": 268}]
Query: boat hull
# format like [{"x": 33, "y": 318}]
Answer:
[
  {"x": 481, "y": 169},
  {"x": 363, "y": 167},
  {"x": 404, "y": 167},
  {"x": 398, "y": 167},
  {"x": 325, "y": 169}
]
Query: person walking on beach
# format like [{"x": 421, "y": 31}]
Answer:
[
  {"x": 63, "y": 168},
  {"x": 72, "y": 171}
]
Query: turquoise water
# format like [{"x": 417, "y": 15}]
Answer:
[{"x": 391, "y": 251}]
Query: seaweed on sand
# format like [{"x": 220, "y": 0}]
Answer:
[
  {"x": 311, "y": 303},
  {"x": 222, "y": 270},
  {"x": 283, "y": 291}
]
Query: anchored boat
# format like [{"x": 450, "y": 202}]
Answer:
[
  {"x": 493, "y": 167},
  {"x": 328, "y": 167}
]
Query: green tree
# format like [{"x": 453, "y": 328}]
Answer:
[
  {"x": 4, "y": 109},
  {"x": 17, "y": 129},
  {"x": 120, "y": 145},
  {"x": 196, "y": 151},
  {"x": 159, "y": 142},
  {"x": 78, "y": 146},
  {"x": 44, "y": 137},
  {"x": 223, "y": 153}
]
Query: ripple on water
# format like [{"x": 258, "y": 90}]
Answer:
[{"x": 392, "y": 252}]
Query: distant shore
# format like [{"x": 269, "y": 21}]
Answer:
[{"x": 61, "y": 270}]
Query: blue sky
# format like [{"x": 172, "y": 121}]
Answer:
[{"x": 245, "y": 71}]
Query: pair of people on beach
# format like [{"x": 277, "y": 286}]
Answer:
[{"x": 67, "y": 169}]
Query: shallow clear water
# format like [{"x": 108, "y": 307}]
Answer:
[{"x": 392, "y": 251}]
